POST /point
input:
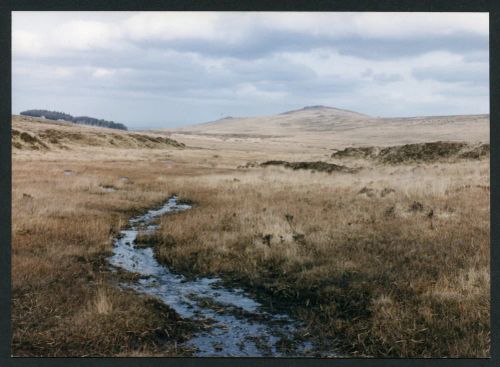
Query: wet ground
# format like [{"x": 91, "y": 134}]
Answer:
[{"x": 232, "y": 323}]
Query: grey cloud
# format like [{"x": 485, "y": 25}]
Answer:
[
  {"x": 453, "y": 74},
  {"x": 383, "y": 78},
  {"x": 387, "y": 78},
  {"x": 264, "y": 42},
  {"x": 383, "y": 49}
]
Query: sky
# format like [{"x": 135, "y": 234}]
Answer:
[{"x": 168, "y": 69}]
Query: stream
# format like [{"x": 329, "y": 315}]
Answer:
[{"x": 236, "y": 324}]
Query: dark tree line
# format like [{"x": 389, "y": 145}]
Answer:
[
  {"x": 103, "y": 123},
  {"x": 51, "y": 115},
  {"x": 85, "y": 120}
]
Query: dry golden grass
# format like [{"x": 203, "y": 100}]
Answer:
[
  {"x": 390, "y": 261},
  {"x": 364, "y": 269},
  {"x": 31, "y": 133},
  {"x": 65, "y": 301}
]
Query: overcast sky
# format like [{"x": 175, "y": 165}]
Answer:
[{"x": 166, "y": 69}]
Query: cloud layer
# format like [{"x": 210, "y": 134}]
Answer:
[{"x": 162, "y": 69}]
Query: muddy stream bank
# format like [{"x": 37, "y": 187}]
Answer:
[{"x": 234, "y": 324}]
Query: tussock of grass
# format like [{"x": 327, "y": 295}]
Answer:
[
  {"x": 315, "y": 166},
  {"x": 419, "y": 152},
  {"x": 102, "y": 303}
]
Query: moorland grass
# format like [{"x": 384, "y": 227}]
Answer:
[{"x": 387, "y": 261}]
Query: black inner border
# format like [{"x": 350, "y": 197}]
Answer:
[{"x": 243, "y": 5}]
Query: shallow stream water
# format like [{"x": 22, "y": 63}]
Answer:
[{"x": 236, "y": 324}]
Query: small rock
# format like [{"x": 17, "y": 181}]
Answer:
[
  {"x": 267, "y": 239},
  {"x": 367, "y": 191},
  {"x": 416, "y": 207},
  {"x": 386, "y": 191},
  {"x": 390, "y": 212},
  {"x": 299, "y": 238}
]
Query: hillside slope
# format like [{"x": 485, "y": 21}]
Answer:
[
  {"x": 330, "y": 128},
  {"x": 307, "y": 119},
  {"x": 30, "y": 133}
]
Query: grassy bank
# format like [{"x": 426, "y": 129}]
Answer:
[
  {"x": 65, "y": 301},
  {"x": 391, "y": 261}
]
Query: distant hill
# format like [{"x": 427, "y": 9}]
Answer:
[
  {"x": 84, "y": 120},
  {"x": 307, "y": 119},
  {"x": 332, "y": 110},
  {"x": 334, "y": 127}
]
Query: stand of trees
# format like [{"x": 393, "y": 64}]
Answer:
[{"x": 85, "y": 120}]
